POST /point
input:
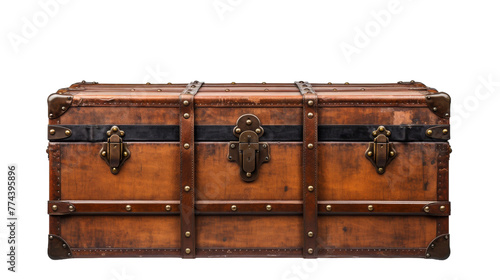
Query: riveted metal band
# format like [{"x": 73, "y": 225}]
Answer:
[
  {"x": 187, "y": 183},
  {"x": 310, "y": 168}
]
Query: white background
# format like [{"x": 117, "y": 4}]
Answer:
[{"x": 450, "y": 45}]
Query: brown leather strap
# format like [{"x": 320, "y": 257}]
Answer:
[
  {"x": 310, "y": 168},
  {"x": 186, "y": 128}
]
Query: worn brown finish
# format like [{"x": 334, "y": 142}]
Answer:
[{"x": 311, "y": 199}]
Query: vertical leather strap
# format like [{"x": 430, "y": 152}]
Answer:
[
  {"x": 310, "y": 168},
  {"x": 187, "y": 186}
]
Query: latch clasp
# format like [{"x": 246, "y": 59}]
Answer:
[
  {"x": 381, "y": 152},
  {"x": 248, "y": 152},
  {"x": 114, "y": 152}
]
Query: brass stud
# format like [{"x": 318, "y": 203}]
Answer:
[
  {"x": 71, "y": 208},
  {"x": 64, "y": 245},
  {"x": 249, "y": 174},
  {"x": 132, "y": 89},
  {"x": 122, "y": 133},
  {"x": 427, "y": 255},
  {"x": 263, "y": 83},
  {"x": 268, "y": 207},
  {"x": 328, "y": 207},
  {"x": 310, "y": 234},
  {"x": 427, "y": 209},
  {"x": 446, "y": 237},
  {"x": 329, "y": 83},
  {"x": 310, "y": 146},
  {"x": 362, "y": 89},
  {"x": 433, "y": 245},
  {"x": 148, "y": 83},
  {"x": 187, "y": 188},
  {"x": 391, "y": 153},
  {"x": 188, "y": 251},
  {"x": 346, "y": 83},
  {"x": 114, "y": 170},
  {"x": 125, "y": 154},
  {"x": 238, "y": 130},
  {"x": 381, "y": 169},
  {"x": 128, "y": 208},
  {"x": 381, "y": 128},
  {"x": 310, "y": 251},
  {"x": 446, "y": 115},
  {"x": 67, "y": 132},
  {"x": 233, "y": 83},
  {"x": 429, "y": 131},
  {"x": 310, "y": 188},
  {"x": 370, "y": 153},
  {"x": 388, "y": 133},
  {"x": 434, "y": 109},
  {"x": 233, "y": 146},
  {"x": 159, "y": 89},
  {"x": 442, "y": 208},
  {"x": 186, "y": 145},
  {"x": 185, "y": 102},
  {"x": 249, "y": 122},
  {"x": 310, "y": 102},
  {"x": 187, "y": 234},
  {"x": 310, "y": 115},
  {"x": 51, "y": 115},
  {"x": 51, "y": 237},
  {"x": 168, "y": 208},
  {"x": 234, "y": 208},
  {"x": 54, "y": 207},
  {"x": 334, "y": 89},
  {"x": 374, "y": 133},
  {"x": 186, "y": 116},
  {"x": 114, "y": 128},
  {"x": 52, "y": 131},
  {"x": 445, "y": 131},
  {"x": 103, "y": 153},
  {"x": 370, "y": 207},
  {"x": 108, "y": 133},
  {"x": 63, "y": 108},
  {"x": 226, "y": 89},
  {"x": 264, "y": 146},
  {"x": 412, "y": 82},
  {"x": 258, "y": 130}
]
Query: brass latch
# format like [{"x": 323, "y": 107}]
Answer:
[
  {"x": 381, "y": 152},
  {"x": 248, "y": 152},
  {"x": 114, "y": 152}
]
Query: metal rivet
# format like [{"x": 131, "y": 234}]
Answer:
[
  {"x": 234, "y": 208},
  {"x": 446, "y": 115},
  {"x": 310, "y": 102},
  {"x": 64, "y": 245},
  {"x": 434, "y": 109},
  {"x": 51, "y": 237},
  {"x": 122, "y": 133},
  {"x": 445, "y": 131},
  {"x": 429, "y": 131},
  {"x": 249, "y": 174},
  {"x": 125, "y": 154},
  {"x": 374, "y": 133},
  {"x": 334, "y": 89},
  {"x": 264, "y": 146},
  {"x": 362, "y": 89},
  {"x": 310, "y": 188},
  {"x": 388, "y": 133},
  {"x": 187, "y": 188},
  {"x": 412, "y": 81},
  {"x": 226, "y": 89},
  {"x": 114, "y": 128},
  {"x": 63, "y": 108},
  {"x": 168, "y": 207},
  {"x": 233, "y": 83},
  {"x": 233, "y": 146},
  {"x": 391, "y": 153},
  {"x": 428, "y": 97},
  {"x": 103, "y": 153},
  {"x": 186, "y": 116},
  {"x": 187, "y": 234},
  {"x": 442, "y": 208},
  {"x": 446, "y": 237},
  {"x": 159, "y": 89},
  {"x": 67, "y": 132},
  {"x": 186, "y": 146},
  {"x": 128, "y": 208},
  {"x": 54, "y": 207},
  {"x": 51, "y": 115},
  {"x": 370, "y": 153},
  {"x": 432, "y": 245},
  {"x": 427, "y": 209},
  {"x": 268, "y": 207},
  {"x": 310, "y": 251},
  {"x": 71, "y": 208},
  {"x": 310, "y": 234},
  {"x": 258, "y": 130},
  {"x": 381, "y": 169},
  {"x": 238, "y": 130},
  {"x": 329, "y": 83},
  {"x": 52, "y": 131},
  {"x": 370, "y": 207},
  {"x": 310, "y": 115},
  {"x": 188, "y": 250},
  {"x": 185, "y": 102},
  {"x": 381, "y": 128},
  {"x": 249, "y": 122},
  {"x": 108, "y": 133},
  {"x": 114, "y": 169},
  {"x": 310, "y": 146},
  {"x": 148, "y": 83},
  {"x": 132, "y": 89},
  {"x": 427, "y": 255},
  {"x": 263, "y": 83},
  {"x": 328, "y": 207},
  {"x": 346, "y": 83}
]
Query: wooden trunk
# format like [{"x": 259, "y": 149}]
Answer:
[{"x": 249, "y": 170}]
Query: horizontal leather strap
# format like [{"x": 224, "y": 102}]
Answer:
[
  {"x": 214, "y": 133},
  {"x": 243, "y": 207}
]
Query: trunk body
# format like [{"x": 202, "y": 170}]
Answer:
[{"x": 266, "y": 170}]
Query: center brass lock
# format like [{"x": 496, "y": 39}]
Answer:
[{"x": 248, "y": 152}]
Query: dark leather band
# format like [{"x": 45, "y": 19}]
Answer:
[
  {"x": 216, "y": 133},
  {"x": 187, "y": 186},
  {"x": 310, "y": 168}
]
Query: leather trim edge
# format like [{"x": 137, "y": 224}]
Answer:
[
  {"x": 439, "y": 248},
  {"x": 58, "y": 248}
]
